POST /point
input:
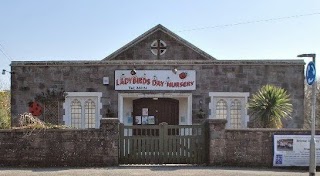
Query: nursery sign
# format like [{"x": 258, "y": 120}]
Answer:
[
  {"x": 294, "y": 150},
  {"x": 155, "y": 80}
]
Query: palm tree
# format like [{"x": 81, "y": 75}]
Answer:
[{"x": 269, "y": 106}]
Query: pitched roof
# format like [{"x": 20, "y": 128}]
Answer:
[{"x": 158, "y": 27}]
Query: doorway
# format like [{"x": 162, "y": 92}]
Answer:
[
  {"x": 125, "y": 106},
  {"x": 160, "y": 109}
]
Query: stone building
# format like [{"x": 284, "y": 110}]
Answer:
[{"x": 157, "y": 77}]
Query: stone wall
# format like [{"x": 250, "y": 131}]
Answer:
[
  {"x": 61, "y": 147},
  {"x": 34, "y": 78},
  {"x": 100, "y": 147},
  {"x": 243, "y": 147},
  {"x": 176, "y": 50}
]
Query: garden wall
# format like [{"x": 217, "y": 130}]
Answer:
[
  {"x": 61, "y": 147},
  {"x": 99, "y": 147}
]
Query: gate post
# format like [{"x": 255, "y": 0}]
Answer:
[
  {"x": 110, "y": 129},
  {"x": 217, "y": 143},
  {"x": 121, "y": 143},
  {"x": 109, "y": 124},
  {"x": 163, "y": 145}
]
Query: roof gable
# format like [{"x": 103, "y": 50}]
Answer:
[{"x": 175, "y": 47}]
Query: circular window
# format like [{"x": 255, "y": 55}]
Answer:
[{"x": 158, "y": 47}]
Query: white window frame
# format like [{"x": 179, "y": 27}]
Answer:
[
  {"x": 95, "y": 96},
  {"x": 155, "y": 42},
  {"x": 229, "y": 97}
]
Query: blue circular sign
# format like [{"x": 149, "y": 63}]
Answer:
[{"x": 311, "y": 73}]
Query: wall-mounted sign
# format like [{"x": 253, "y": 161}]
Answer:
[
  {"x": 155, "y": 80},
  {"x": 106, "y": 80},
  {"x": 145, "y": 111},
  {"x": 137, "y": 120}
]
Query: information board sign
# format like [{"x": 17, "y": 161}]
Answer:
[{"x": 294, "y": 150}]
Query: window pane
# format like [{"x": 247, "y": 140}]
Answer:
[
  {"x": 221, "y": 109},
  {"x": 76, "y": 114},
  {"x": 90, "y": 114},
  {"x": 235, "y": 114}
]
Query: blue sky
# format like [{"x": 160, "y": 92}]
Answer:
[{"x": 37, "y": 30}]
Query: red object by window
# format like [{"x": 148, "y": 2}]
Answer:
[{"x": 35, "y": 109}]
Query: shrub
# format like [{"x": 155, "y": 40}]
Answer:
[
  {"x": 5, "y": 121},
  {"x": 269, "y": 106}
]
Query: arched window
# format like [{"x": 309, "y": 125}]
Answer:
[
  {"x": 76, "y": 112},
  {"x": 90, "y": 114},
  {"x": 82, "y": 109},
  {"x": 221, "y": 109},
  {"x": 230, "y": 106},
  {"x": 235, "y": 114}
]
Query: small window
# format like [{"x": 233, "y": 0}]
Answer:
[
  {"x": 158, "y": 47},
  {"x": 89, "y": 114},
  {"x": 235, "y": 114},
  {"x": 76, "y": 112},
  {"x": 221, "y": 109}
]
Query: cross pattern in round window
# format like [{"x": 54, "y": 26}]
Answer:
[{"x": 158, "y": 47}]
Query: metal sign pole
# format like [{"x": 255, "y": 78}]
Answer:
[
  {"x": 311, "y": 80},
  {"x": 312, "y": 166}
]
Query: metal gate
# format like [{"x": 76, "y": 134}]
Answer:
[{"x": 162, "y": 144}]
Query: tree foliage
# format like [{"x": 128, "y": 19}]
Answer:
[
  {"x": 5, "y": 110},
  {"x": 308, "y": 106},
  {"x": 269, "y": 106}
]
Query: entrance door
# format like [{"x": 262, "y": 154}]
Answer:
[{"x": 163, "y": 110}]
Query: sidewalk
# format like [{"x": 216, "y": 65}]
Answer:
[{"x": 152, "y": 171}]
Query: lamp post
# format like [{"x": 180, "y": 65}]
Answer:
[
  {"x": 312, "y": 159},
  {"x": 4, "y": 72}
]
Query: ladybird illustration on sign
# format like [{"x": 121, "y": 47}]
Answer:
[
  {"x": 35, "y": 109},
  {"x": 183, "y": 75}
]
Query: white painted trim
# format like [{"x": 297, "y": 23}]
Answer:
[
  {"x": 66, "y": 105},
  {"x": 189, "y": 119},
  {"x": 121, "y": 96},
  {"x": 228, "y": 97},
  {"x": 120, "y": 107},
  {"x": 229, "y": 94}
]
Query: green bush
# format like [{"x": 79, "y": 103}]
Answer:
[{"x": 5, "y": 121}]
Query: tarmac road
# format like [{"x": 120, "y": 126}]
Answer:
[{"x": 152, "y": 171}]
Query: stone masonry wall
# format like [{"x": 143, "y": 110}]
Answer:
[
  {"x": 176, "y": 50},
  {"x": 243, "y": 147},
  {"x": 56, "y": 147},
  {"x": 99, "y": 147},
  {"x": 33, "y": 78}
]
